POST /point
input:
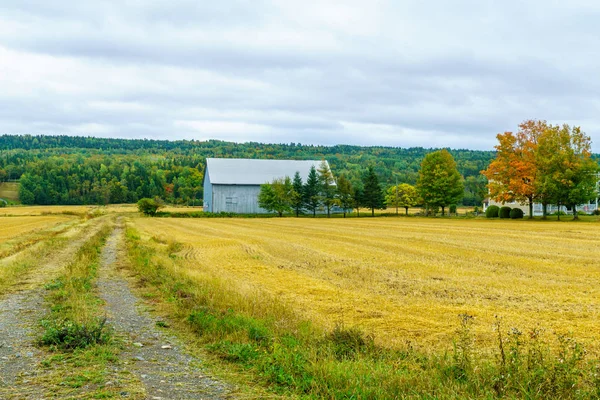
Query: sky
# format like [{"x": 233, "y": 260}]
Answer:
[{"x": 401, "y": 73}]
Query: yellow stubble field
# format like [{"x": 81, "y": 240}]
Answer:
[
  {"x": 17, "y": 233},
  {"x": 405, "y": 279}
]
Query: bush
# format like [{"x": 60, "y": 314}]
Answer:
[
  {"x": 492, "y": 212},
  {"x": 3, "y": 203},
  {"x": 504, "y": 212},
  {"x": 453, "y": 209},
  {"x": 149, "y": 206},
  {"x": 70, "y": 335},
  {"x": 596, "y": 212},
  {"x": 516, "y": 213}
]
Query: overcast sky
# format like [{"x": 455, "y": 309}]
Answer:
[{"x": 431, "y": 73}]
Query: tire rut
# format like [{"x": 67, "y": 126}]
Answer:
[
  {"x": 154, "y": 356},
  {"x": 20, "y": 315}
]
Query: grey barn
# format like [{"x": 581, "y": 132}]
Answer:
[{"x": 233, "y": 184}]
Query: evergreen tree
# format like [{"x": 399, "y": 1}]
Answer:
[
  {"x": 297, "y": 201},
  {"x": 327, "y": 189},
  {"x": 373, "y": 194},
  {"x": 440, "y": 184},
  {"x": 311, "y": 191},
  {"x": 345, "y": 194}
]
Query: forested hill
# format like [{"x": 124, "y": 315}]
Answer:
[{"x": 88, "y": 170}]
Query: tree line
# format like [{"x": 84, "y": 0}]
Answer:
[
  {"x": 543, "y": 163},
  {"x": 110, "y": 180},
  {"x": 439, "y": 185},
  {"x": 29, "y": 154}
]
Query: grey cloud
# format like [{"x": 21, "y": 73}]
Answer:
[{"x": 386, "y": 73}]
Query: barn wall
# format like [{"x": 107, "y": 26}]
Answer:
[
  {"x": 241, "y": 199},
  {"x": 207, "y": 198}
]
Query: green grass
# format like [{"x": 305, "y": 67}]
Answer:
[{"x": 288, "y": 356}]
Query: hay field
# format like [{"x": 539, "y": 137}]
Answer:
[
  {"x": 17, "y": 233},
  {"x": 15, "y": 227},
  {"x": 43, "y": 210},
  {"x": 405, "y": 278}
]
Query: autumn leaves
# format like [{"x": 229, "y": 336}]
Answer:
[{"x": 549, "y": 164}]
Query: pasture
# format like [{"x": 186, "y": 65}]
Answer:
[{"x": 403, "y": 279}]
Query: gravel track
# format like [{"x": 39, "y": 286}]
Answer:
[
  {"x": 20, "y": 314},
  {"x": 157, "y": 358}
]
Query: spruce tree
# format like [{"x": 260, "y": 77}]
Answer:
[
  {"x": 311, "y": 191},
  {"x": 327, "y": 190},
  {"x": 345, "y": 194},
  {"x": 372, "y": 194},
  {"x": 297, "y": 201}
]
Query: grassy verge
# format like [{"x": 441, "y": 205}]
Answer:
[
  {"x": 265, "y": 340},
  {"x": 84, "y": 355}
]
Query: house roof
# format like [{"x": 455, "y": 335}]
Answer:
[{"x": 242, "y": 171}]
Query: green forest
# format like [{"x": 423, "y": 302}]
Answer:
[{"x": 88, "y": 170}]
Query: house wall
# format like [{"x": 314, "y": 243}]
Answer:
[
  {"x": 538, "y": 208},
  {"x": 242, "y": 199}
]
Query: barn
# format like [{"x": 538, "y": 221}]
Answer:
[{"x": 233, "y": 184}]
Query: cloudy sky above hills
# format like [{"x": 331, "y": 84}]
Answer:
[{"x": 396, "y": 73}]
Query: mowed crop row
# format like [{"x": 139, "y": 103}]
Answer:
[
  {"x": 17, "y": 227},
  {"x": 405, "y": 279}
]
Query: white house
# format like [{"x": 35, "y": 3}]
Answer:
[
  {"x": 233, "y": 184},
  {"x": 538, "y": 209}
]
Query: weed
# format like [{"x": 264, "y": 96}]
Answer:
[
  {"x": 70, "y": 335},
  {"x": 347, "y": 343}
]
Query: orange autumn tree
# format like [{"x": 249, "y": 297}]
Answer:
[{"x": 513, "y": 175}]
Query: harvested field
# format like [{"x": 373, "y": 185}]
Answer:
[
  {"x": 404, "y": 279},
  {"x": 43, "y": 210},
  {"x": 16, "y": 227}
]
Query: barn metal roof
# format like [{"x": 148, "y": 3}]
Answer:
[{"x": 242, "y": 171}]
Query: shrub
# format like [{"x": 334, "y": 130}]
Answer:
[
  {"x": 504, "y": 212},
  {"x": 453, "y": 209},
  {"x": 596, "y": 211},
  {"x": 149, "y": 206},
  {"x": 492, "y": 212},
  {"x": 3, "y": 203},
  {"x": 516, "y": 213},
  {"x": 70, "y": 335}
]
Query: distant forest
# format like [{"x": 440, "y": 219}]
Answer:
[{"x": 88, "y": 170}]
